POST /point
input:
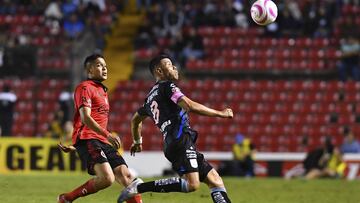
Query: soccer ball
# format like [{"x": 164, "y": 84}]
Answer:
[{"x": 264, "y": 12}]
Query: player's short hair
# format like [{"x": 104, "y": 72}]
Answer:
[
  {"x": 155, "y": 62},
  {"x": 91, "y": 59}
]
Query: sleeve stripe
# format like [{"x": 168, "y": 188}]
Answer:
[{"x": 176, "y": 96}]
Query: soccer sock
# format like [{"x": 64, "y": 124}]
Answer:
[
  {"x": 164, "y": 185},
  {"x": 219, "y": 195},
  {"x": 85, "y": 189}
]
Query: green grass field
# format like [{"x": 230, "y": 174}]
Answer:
[{"x": 45, "y": 188}]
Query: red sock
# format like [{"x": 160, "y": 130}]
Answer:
[
  {"x": 135, "y": 199},
  {"x": 85, "y": 189}
]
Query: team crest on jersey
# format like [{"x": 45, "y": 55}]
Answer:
[
  {"x": 175, "y": 89},
  {"x": 103, "y": 154}
]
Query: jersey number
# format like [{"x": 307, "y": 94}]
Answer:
[{"x": 155, "y": 111}]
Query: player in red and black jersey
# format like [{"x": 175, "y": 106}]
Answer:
[
  {"x": 168, "y": 107},
  {"x": 95, "y": 145}
]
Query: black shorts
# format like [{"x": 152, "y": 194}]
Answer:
[
  {"x": 93, "y": 152},
  {"x": 185, "y": 158}
]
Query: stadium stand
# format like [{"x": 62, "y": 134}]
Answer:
[{"x": 252, "y": 50}]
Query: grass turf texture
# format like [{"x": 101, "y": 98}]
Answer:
[{"x": 45, "y": 188}]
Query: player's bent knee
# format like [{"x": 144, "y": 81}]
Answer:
[{"x": 107, "y": 180}]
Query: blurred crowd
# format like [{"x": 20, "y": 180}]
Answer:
[
  {"x": 63, "y": 18},
  {"x": 177, "y": 21}
]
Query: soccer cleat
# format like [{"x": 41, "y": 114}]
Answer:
[
  {"x": 61, "y": 199},
  {"x": 130, "y": 190}
]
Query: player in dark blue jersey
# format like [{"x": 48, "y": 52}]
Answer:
[{"x": 169, "y": 107}]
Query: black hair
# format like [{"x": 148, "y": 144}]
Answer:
[
  {"x": 91, "y": 59},
  {"x": 155, "y": 62}
]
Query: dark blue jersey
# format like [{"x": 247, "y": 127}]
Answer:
[{"x": 161, "y": 105}]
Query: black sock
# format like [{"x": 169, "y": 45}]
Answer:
[
  {"x": 220, "y": 196},
  {"x": 164, "y": 185}
]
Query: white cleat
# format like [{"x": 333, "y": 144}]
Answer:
[{"x": 130, "y": 191}]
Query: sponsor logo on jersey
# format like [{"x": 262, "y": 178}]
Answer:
[
  {"x": 193, "y": 163},
  {"x": 103, "y": 154},
  {"x": 152, "y": 95},
  {"x": 164, "y": 125}
]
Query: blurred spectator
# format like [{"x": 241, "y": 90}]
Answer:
[
  {"x": 194, "y": 13},
  {"x": 69, "y": 7},
  {"x": 55, "y": 129},
  {"x": 347, "y": 28},
  {"x": 155, "y": 17},
  {"x": 66, "y": 105},
  {"x": 194, "y": 47},
  {"x": 143, "y": 4},
  {"x": 95, "y": 5},
  {"x": 73, "y": 27},
  {"x": 325, "y": 161},
  {"x": 19, "y": 47},
  {"x": 173, "y": 19},
  {"x": 53, "y": 17},
  {"x": 98, "y": 29},
  {"x": 53, "y": 11},
  {"x": 7, "y": 104},
  {"x": 289, "y": 20},
  {"x": 243, "y": 152},
  {"x": 177, "y": 44},
  {"x": 310, "y": 17},
  {"x": 145, "y": 37},
  {"x": 331, "y": 165},
  {"x": 350, "y": 144},
  {"x": 324, "y": 27},
  {"x": 8, "y": 7},
  {"x": 241, "y": 19},
  {"x": 350, "y": 53},
  {"x": 226, "y": 14}
]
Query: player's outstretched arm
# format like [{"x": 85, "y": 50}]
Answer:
[
  {"x": 189, "y": 105},
  {"x": 86, "y": 119},
  {"x": 136, "y": 125}
]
